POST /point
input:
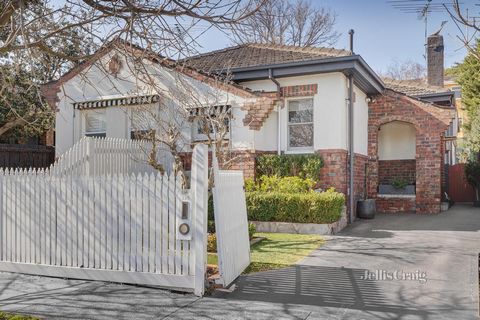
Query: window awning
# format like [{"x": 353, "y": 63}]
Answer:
[{"x": 120, "y": 101}]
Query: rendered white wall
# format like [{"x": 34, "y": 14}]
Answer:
[
  {"x": 330, "y": 109},
  {"x": 396, "y": 141},
  {"x": 330, "y": 114},
  {"x": 95, "y": 83}
]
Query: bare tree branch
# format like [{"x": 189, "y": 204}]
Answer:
[{"x": 282, "y": 22}]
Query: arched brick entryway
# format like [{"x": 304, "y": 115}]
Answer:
[{"x": 430, "y": 123}]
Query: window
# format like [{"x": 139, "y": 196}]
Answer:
[
  {"x": 143, "y": 121},
  {"x": 203, "y": 126},
  {"x": 95, "y": 123},
  {"x": 300, "y": 124}
]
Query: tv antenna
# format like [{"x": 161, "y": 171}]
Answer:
[{"x": 422, "y": 8}]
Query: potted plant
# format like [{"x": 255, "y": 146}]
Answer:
[
  {"x": 472, "y": 174},
  {"x": 366, "y": 208}
]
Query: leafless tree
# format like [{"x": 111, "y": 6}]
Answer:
[
  {"x": 468, "y": 27},
  {"x": 187, "y": 112},
  {"x": 33, "y": 32},
  {"x": 405, "y": 70},
  {"x": 299, "y": 23}
]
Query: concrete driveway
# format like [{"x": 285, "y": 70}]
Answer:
[{"x": 326, "y": 285}]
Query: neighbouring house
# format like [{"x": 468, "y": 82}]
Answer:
[{"x": 285, "y": 100}]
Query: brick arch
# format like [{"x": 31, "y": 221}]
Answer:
[{"x": 430, "y": 123}]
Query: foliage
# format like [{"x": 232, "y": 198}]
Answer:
[
  {"x": 280, "y": 184},
  {"x": 472, "y": 174},
  {"x": 251, "y": 230},
  {"x": 467, "y": 75},
  {"x": 302, "y": 165},
  {"x": 399, "y": 183},
  {"x": 312, "y": 207},
  {"x": 10, "y": 316},
  {"x": 211, "y": 242}
]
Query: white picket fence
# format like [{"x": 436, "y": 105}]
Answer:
[
  {"x": 110, "y": 227},
  {"x": 99, "y": 156}
]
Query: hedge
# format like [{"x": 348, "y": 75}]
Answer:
[
  {"x": 301, "y": 165},
  {"x": 312, "y": 207}
]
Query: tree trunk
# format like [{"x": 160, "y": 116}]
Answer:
[{"x": 10, "y": 125}]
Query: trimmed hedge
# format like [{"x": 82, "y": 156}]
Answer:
[
  {"x": 301, "y": 165},
  {"x": 311, "y": 207}
]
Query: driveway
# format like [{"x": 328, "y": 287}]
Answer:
[{"x": 326, "y": 285}]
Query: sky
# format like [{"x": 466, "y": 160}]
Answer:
[{"x": 382, "y": 32}]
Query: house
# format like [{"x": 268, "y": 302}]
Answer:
[{"x": 285, "y": 100}]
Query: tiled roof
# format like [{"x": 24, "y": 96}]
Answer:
[
  {"x": 253, "y": 54},
  {"x": 412, "y": 88}
]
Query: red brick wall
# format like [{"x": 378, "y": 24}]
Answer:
[
  {"x": 334, "y": 172},
  {"x": 430, "y": 122},
  {"x": 299, "y": 91},
  {"x": 393, "y": 205},
  {"x": 388, "y": 170}
]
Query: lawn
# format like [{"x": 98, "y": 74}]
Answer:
[
  {"x": 10, "y": 316},
  {"x": 278, "y": 250}
]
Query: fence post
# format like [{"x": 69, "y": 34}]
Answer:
[
  {"x": 90, "y": 155},
  {"x": 199, "y": 193}
]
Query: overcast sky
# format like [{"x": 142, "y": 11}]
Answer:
[{"x": 382, "y": 33}]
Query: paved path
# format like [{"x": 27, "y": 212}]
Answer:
[{"x": 325, "y": 285}]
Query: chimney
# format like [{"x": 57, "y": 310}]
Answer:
[{"x": 435, "y": 60}]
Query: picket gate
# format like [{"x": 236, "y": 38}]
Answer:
[
  {"x": 231, "y": 224},
  {"x": 119, "y": 227}
]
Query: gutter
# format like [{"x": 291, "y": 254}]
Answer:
[{"x": 275, "y": 81}]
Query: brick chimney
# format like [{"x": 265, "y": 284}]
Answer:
[{"x": 435, "y": 60}]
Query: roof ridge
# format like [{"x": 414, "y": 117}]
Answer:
[{"x": 288, "y": 47}]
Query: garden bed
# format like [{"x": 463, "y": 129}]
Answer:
[{"x": 302, "y": 228}]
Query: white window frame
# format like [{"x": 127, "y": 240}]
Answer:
[
  {"x": 84, "y": 121},
  {"x": 293, "y": 150},
  {"x": 130, "y": 127},
  {"x": 199, "y": 137}
]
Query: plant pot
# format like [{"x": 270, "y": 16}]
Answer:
[{"x": 366, "y": 209}]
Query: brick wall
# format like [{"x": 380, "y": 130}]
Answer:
[
  {"x": 334, "y": 172},
  {"x": 388, "y": 170},
  {"x": 393, "y": 205},
  {"x": 299, "y": 91},
  {"x": 430, "y": 122}
]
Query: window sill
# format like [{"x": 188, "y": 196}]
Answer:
[{"x": 300, "y": 151}]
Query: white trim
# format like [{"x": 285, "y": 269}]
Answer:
[
  {"x": 132, "y": 277},
  {"x": 297, "y": 150}
]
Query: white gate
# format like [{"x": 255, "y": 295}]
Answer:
[
  {"x": 231, "y": 225},
  {"x": 119, "y": 228}
]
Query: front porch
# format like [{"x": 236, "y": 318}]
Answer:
[{"x": 406, "y": 150}]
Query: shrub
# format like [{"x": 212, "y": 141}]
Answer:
[
  {"x": 302, "y": 165},
  {"x": 472, "y": 174},
  {"x": 280, "y": 184},
  {"x": 399, "y": 183},
  {"x": 312, "y": 207},
  {"x": 251, "y": 230},
  {"x": 211, "y": 242}
]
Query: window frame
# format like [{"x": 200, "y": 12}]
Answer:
[
  {"x": 94, "y": 134},
  {"x": 201, "y": 137},
  {"x": 290, "y": 149}
]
